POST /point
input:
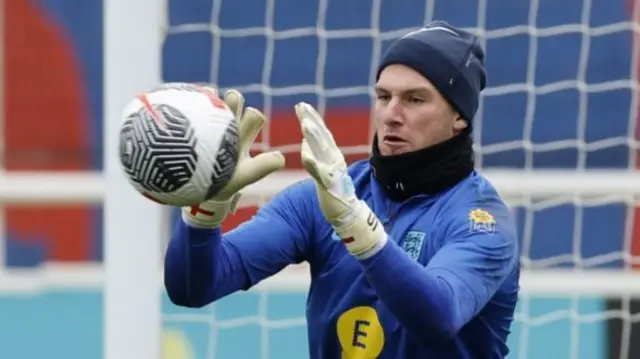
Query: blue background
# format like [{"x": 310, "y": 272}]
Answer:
[{"x": 548, "y": 63}]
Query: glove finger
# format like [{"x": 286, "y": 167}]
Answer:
[
  {"x": 306, "y": 111},
  {"x": 254, "y": 169},
  {"x": 235, "y": 101},
  {"x": 310, "y": 164},
  {"x": 250, "y": 125},
  {"x": 316, "y": 141}
]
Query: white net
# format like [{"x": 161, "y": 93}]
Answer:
[
  {"x": 562, "y": 82},
  {"x": 562, "y": 95}
]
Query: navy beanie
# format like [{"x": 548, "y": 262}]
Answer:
[{"x": 450, "y": 58}]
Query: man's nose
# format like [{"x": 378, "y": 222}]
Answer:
[{"x": 393, "y": 113}]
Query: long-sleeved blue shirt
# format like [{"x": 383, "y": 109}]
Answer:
[{"x": 444, "y": 286}]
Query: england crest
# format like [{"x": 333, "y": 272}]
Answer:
[{"x": 412, "y": 244}]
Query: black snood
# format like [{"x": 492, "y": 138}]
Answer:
[{"x": 427, "y": 171}]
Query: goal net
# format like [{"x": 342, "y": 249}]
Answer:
[
  {"x": 561, "y": 95},
  {"x": 556, "y": 132}
]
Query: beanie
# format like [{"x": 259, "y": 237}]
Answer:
[{"x": 450, "y": 58}]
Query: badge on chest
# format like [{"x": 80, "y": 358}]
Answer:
[{"x": 413, "y": 243}]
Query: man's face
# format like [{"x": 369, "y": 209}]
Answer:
[{"x": 410, "y": 114}]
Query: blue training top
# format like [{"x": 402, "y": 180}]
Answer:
[{"x": 444, "y": 286}]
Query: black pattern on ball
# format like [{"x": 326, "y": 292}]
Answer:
[
  {"x": 226, "y": 160},
  {"x": 158, "y": 153}
]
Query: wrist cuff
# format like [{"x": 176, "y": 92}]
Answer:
[{"x": 365, "y": 235}]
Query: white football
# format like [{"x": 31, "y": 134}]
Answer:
[{"x": 178, "y": 144}]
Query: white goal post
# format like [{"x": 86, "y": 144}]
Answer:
[{"x": 132, "y": 225}]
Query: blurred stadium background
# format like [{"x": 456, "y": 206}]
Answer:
[{"x": 562, "y": 95}]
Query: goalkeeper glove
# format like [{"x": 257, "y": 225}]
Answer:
[
  {"x": 352, "y": 219},
  {"x": 249, "y": 170}
]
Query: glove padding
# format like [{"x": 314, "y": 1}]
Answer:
[
  {"x": 249, "y": 169},
  {"x": 352, "y": 219}
]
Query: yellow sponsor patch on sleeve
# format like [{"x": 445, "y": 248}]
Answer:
[{"x": 481, "y": 221}]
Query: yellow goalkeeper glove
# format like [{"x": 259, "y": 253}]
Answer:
[
  {"x": 352, "y": 219},
  {"x": 249, "y": 169}
]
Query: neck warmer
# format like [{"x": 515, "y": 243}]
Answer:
[{"x": 428, "y": 171}]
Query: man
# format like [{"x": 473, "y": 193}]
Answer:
[{"x": 412, "y": 253}]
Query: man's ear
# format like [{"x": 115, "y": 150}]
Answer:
[{"x": 459, "y": 124}]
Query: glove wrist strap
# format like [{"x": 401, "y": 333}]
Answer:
[
  {"x": 209, "y": 214},
  {"x": 364, "y": 234}
]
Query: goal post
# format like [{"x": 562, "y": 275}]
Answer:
[{"x": 133, "y": 226}]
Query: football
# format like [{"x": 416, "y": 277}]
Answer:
[{"x": 178, "y": 144}]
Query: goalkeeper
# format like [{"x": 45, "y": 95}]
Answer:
[{"x": 412, "y": 252}]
